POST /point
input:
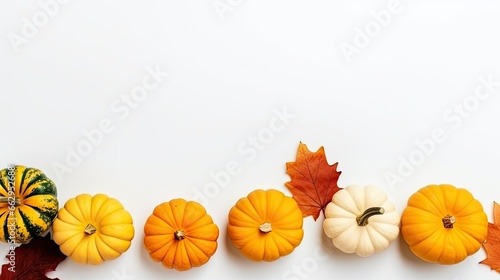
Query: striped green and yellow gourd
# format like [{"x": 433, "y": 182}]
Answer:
[{"x": 28, "y": 204}]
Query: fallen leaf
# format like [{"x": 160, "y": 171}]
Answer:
[
  {"x": 32, "y": 260},
  {"x": 313, "y": 181},
  {"x": 492, "y": 244}
]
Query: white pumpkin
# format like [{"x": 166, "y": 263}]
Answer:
[{"x": 361, "y": 220}]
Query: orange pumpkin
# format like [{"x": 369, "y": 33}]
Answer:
[
  {"x": 265, "y": 225},
  {"x": 443, "y": 224},
  {"x": 180, "y": 234}
]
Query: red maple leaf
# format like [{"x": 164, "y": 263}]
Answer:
[
  {"x": 313, "y": 181},
  {"x": 492, "y": 244},
  {"x": 32, "y": 260}
]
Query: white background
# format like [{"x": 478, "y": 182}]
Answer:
[{"x": 229, "y": 73}]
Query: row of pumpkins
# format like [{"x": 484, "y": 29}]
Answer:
[{"x": 441, "y": 223}]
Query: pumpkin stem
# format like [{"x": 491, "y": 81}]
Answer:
[
  {"x": 265, "y": 227},
  {"x": 448, "y": 221},
  {"x": 90, "y": 229},
  {"x": 179, "y": 235},
  {"x": 8, "y": 199},
  {"x": 363, "y": 218}
]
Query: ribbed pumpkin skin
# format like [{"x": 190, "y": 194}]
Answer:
[
  {"x": 265, "y": 206},
  {"x": 199, "y": 233},
  {"x": 341, "y": 226},
  {"x": 38, "y": 207},
  {"x": 422, "y": 226},
  {"x": 113, "y": 229}
]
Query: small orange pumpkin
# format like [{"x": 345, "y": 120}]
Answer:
[
  {"x": 180, "y": 234},
  {"x": 443, "y": 224},
  {"x": 265, "y": 225}
]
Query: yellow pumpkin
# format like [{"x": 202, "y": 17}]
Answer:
[
  {"x": 93, "y": 229},
  {"x": 265, "y": 225},
  {"x": 443, "y": 224},
  {"x": 180, "y": 234}
]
